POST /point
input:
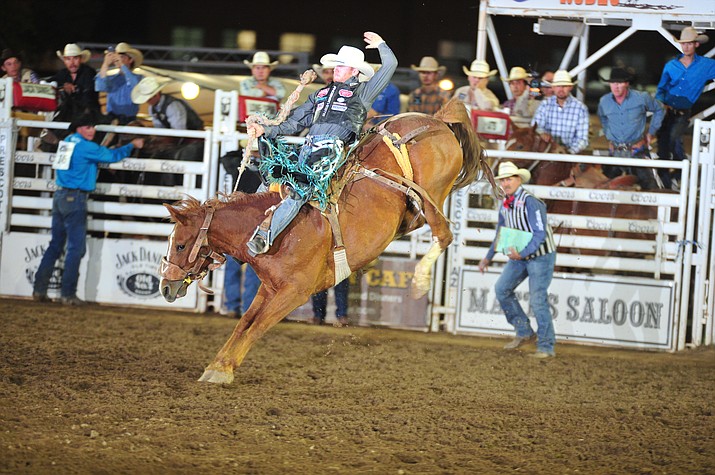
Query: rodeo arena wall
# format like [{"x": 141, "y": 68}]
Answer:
[{"x": 621, "y": 282}]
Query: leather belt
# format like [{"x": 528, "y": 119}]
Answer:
[
  {"x": 71, "y": 189},
  {"x": 628, "y": 146}
]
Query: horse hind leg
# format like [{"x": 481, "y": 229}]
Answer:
[{"x": 441, "y": 238}]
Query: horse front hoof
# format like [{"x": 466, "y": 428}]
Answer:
[{"x": 216, "y": 377}]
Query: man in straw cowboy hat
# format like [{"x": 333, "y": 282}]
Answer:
[
  {"x": 562, "y": 117},
  {"x": 525, "y": 213},
  {"x": 75, "y": 82},
  {"x": 429, "y": 97},
  {"x": 522, "y": 104},
  {"x": 476, "y": 95},
  {"x": 623, "y": 113},
  {"x": 76, "y": 177},
  {"x": 335, "y": 115},
  {"x": 119, "y": 86},
  {"x": 680, "y": 86},
  {"x": 261, "y": 84},
  {"x": 167, "y": 112}
]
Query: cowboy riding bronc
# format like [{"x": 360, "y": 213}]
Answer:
[{"x": 335, "y": 115}]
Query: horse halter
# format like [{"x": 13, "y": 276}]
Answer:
[{"x": 171, "y": 271}]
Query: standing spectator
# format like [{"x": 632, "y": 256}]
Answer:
[
  {"x": 12, "y": 66},
  {"x": 320, "y": 304},
  {"x": 525, "y": 212},
  {"x": 563, "y": 117},
  {"x": 75, "y": 83},
  {"x": 167, "y": 112},
  {"x": 679, "y": 88},
  {"x": 119, "y": 86},
  {"x": 261, "y": 84},
  {"x": 623, "y": 117},
  {"x": 325, "y": 73},
  {"x": 429, "y": 97},
  {"x": 69, "y": 207},
  {"x": 546, "y": 89},
  {"x": 522, "y": 105},
  {"x": 476, "y": 95}
]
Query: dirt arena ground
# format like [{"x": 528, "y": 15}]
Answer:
[{"x": 109, "y": 390}]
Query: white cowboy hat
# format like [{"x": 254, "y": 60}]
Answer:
[
  {"x": 260, "y": 58},
  {"x": 479, "y": 69},
  {"x": 348, "y": 56},
  {"x": 517, "y": 73},
  {"x": 72, "y": 49},
  {"x": 125, "y": 48},
  {"x": 146, "y": 89},
  {"x": 507, "y": 169},
  {"x": 429, "y": 65},
  {"x": 690, "y": 34},
  {"x": 562, "y": 78}
]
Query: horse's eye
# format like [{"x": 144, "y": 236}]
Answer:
[{"x": 180, "y": 247}]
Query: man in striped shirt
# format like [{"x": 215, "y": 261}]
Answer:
[
  {"x": 525, "y": 212},
  {"x": 562, "y": 117}
]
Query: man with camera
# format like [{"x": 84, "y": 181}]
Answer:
[{"x": 119, "y": 86}]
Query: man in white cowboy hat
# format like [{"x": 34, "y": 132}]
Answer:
[
  {"x": 75, "y": 82},
  {"x": 623, "y": 113},
  {"x": 562, "y": 117},
  {"x": 522, "y": 104},
  {"x": 119, "y": 86},
  {"x": 525, "y": 213},
  {"x": 261, "y": 84},
  {"x": 476, "y": 95},
  {"x": 166, "y": 111},
  {"x": 334, "y": 115},
  {"x": 680, "y": 86},
  {"x": 429, "y": 97}
]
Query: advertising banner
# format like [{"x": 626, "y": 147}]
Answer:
[
  {"x": 126, "y": 271},
  {"x": 381, "y": 296},
  {"x": 685, "y": 9},
  {"x": 21, "y": 256},
  {"x": 607, "y": 310}
]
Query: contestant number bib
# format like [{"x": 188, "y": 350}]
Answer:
[{"x": 63, "y": 157}]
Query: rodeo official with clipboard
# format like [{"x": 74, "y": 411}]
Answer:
[{"x": 524, "y": 235}]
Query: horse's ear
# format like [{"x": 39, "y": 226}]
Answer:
[{"x": 175, "y": 213}]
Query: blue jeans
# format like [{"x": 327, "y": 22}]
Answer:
[
  {"x": 539, "y": 270},
  {"x": 284, "y": 214},
  {"x": 69, "y": 225},
  {"x": 234, "y": 300},
  {"x": 670, "y": 142},
  {"x": 320, "y": 301}
]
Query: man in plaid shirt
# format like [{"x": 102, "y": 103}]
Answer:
[{"x": 562, "y": 117}]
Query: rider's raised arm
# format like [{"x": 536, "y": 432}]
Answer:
[{"x": 382, "y": 77}]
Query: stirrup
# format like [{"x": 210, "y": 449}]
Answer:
[{"x": 258, "y": 244}]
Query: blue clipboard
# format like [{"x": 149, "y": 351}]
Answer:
[{"x": 510, "y": 237}]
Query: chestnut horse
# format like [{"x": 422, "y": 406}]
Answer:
[{"x": 445, "y": 155}]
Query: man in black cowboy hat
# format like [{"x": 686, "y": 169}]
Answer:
[
  {"x": 11, "y": 64},
  {"x": 76, "y": 176},
  {"x": 679, "y": 88},
  {"x": 623, "y": 114}
]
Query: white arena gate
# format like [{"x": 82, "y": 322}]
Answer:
[{"x": 659, "y": 297}]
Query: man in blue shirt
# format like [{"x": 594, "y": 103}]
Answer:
[
  {"x": 69, "y": 206},
  {"x": 562, "y": 117},
  {"x": 623, "y": 117},
  {"x": 525, "y": 212},
  {"x": 119, "y": 86},
  {"x": 679, "y": 88},
  {"x": 386, "y": 105}
]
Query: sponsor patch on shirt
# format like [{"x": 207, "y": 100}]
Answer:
[
  {"x": 339, "y": 107},
  {"x": 341, "y": 99},
  {"x": 345, "y": 93},
  {"x": 320, "y": 106},
  {"x": 323, "y": 93}
]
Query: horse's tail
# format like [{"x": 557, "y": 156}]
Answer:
[{"x": 454, "y": 114}]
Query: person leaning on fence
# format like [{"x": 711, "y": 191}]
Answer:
[
  {"x": 119, "y": 86},
  {"x": 69, "y": 206},
  {"x": 562, "y": 117},
  {"x": 522, "y": 105},
  {"x": 75, "y": 83},
  {"x": 334, "y": 115},
  {"x": 429, "y": 97},
  {"x": 523, "y": 211},
  {"x": 623, "y": 114},
  {"x": 476, "y": 95},
  {"x": 261, "y": 84},
  {"x": 167, "y": 112},
  {"x": 679, "y": 88}
]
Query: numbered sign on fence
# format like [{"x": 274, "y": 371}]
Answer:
[{"x": 491, "y": 125}]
